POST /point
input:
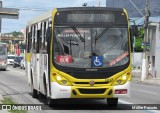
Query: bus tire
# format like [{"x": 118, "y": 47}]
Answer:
[
  {"x": 41, "y": 95},
  {"x": 112, "y": 102},
  {"x": 51, "y": 102},
  {"x": 33, "y": 91}
]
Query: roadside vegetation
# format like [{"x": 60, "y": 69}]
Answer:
[
  {"x": 139, "y": 40},
  {"x": 9, "y": 101}
]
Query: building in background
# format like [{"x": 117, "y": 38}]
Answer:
[
  {"x": 154, "y": 53},
  {"x": 13, "y": 43}
]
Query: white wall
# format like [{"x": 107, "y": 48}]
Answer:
[{"x": 136, "y": 59}]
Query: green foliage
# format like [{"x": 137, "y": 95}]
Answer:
[
  {"x": 139, "y": 40},
  {"x": 9, "y": 101},
  {"x": 16, "y": 34},
  {"x": 4, "y": 41}
]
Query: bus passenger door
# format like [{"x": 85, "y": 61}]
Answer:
[
  {"x": 34, "y": 58},
  {"x": 38, "y": 45},
  {"x": 37, "y": 59}
]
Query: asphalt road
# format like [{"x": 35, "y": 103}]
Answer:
[{"x": 13, "y": 82}]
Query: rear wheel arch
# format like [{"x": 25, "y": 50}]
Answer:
[
  {"x": 34, "y": 91},
  {"x": 45, "y": 84}
]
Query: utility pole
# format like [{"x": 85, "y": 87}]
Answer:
[
  {"x": 144, "y": 59},
  {"x": 99, "y": 4}
]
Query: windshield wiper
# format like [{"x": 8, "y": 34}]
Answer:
[
  {"x": 78, "y": 34},
  {"x": 102, "y": 33}
]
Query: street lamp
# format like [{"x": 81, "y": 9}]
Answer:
[{"x": 84, "y": 5}]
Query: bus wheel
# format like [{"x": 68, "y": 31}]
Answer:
[
  {"x": 34, "y": 92},
  {"x": 113, "y": 102},
  {"x": 51, "y": 102},
  {"x": 41, "y": 95}
]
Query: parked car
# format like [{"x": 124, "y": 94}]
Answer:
[
  {"x": 10, "y": 59},
  {"x": 17, "y": 61},
  {"x": 22, "y": 64}
]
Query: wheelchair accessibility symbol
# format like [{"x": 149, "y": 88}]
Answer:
[{"x": 97, "y": 61}]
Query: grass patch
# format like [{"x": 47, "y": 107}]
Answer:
[{"x": 8, "y": 100}]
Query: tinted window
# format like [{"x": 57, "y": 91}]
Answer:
[{"x": 11, "y": 57}]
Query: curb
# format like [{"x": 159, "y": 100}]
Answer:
[
  {"x": 144, "y": 82},
  {"x": 1, "y": 98}
]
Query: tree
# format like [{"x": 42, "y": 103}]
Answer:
[
  {"x": 16, "y": 34},
  {"x": 139, "y": 40}
]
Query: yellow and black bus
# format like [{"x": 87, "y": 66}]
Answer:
[{"x": 82, "y": 52}]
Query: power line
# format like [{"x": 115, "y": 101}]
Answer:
[
  {"x": 35, "y": 8},
  {"x": 144, "y": 58},
  {"x": 137, "y": 8}
]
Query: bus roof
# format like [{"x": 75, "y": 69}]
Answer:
[
  {"x": 89, "y": 8},
  {"x": 40, "y": 18}
]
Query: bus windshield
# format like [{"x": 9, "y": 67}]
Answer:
[{"x": 77, "y": 46}]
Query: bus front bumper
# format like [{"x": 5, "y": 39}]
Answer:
[{"x": 60, "y": 91}]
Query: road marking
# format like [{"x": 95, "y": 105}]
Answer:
[
  {"x": 150, "y": 111},
  {"x": 16, "y": 71},
  {"x": 124, "y": 102},
  {"x": 147, "y": 92}
]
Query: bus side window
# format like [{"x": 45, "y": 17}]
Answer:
[
  {"x": 34, "y": 37},
  {"x": 39, "y": 39},
  {"x": 31, "y": 34},
  {"x": 40, "y": 36},
  {"x": 44, "y": 37},
  {"x": 48, "y": 34},
  {"x": 29, "y": 40},
  {"x": 48, "y": 37}
]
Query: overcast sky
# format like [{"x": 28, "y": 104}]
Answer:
[
  {"x": 32, "y": 8},
  {"x": 29, "y": 9}
]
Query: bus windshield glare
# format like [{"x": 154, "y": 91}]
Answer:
[{"x": 76, "y": 47}]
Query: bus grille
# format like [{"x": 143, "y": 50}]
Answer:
[
  {"x": 92, "y": 75},
  {"x": 88, "y": 82},
  {"x": 92, "y": 91}
]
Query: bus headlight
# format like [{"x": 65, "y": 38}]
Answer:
[
  {"x": 124, "y": 77},
  {"x": 61, "y": 80},
  {"x": 121, "y": 80},
  {"x": 58, "y": 77}
]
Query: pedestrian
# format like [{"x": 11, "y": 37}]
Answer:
[{"x": 149, "y": 70}]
